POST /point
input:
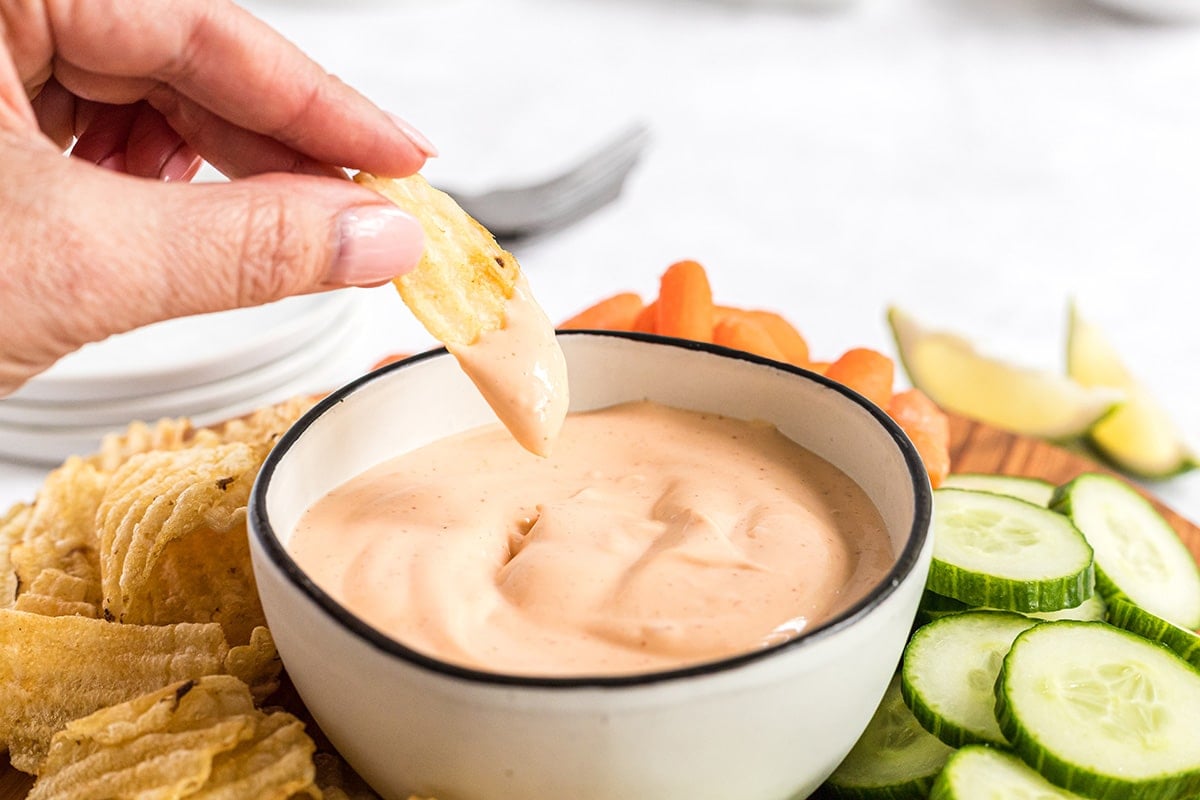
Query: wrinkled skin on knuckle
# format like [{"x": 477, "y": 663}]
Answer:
[
  {"x": 277, "y": 257},
  {"x": 43, "y": 285}
]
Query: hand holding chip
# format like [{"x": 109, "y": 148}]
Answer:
[{"x": 146, "y": 91}]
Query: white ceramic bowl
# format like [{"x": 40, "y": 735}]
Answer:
[{"x": 767, "y": 725}]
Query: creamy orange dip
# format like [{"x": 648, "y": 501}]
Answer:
[
  {"x": 520, "y": 371},
  {"x": 651, "y": 538}
]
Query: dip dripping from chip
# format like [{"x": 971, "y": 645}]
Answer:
[{"x": 470, "y": 294}]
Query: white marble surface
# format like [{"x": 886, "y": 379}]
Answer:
[{"x": 978, "y": 162}]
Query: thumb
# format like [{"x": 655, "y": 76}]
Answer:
[
  {"x": 90, "y": 252},
  {"x": 252, "y": 241}
]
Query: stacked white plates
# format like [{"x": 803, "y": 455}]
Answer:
[{"x": 209, "y": 367}]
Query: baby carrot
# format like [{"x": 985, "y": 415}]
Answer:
[
  {"x": 616, "y": 313},
  {"x": 927, "y": 427},
  {"x": 785, "y": 335},
  {"x": 866, "y": 371},
  {"x": 685, "y": 304},
  {"x": 646, "y": 320},
  {"x": 742, "y": 332}
]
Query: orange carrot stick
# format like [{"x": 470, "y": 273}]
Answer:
[
  {"x": 685, "y": 304},
  {"x": 616, "y": 313},
  {"x": 927, "y": 427},
  {"x": 647, "y": 319},
  {"x": 743, "y": 333},
  {"x": 789, "y": 340},
  {"x": 866, "y": 371}
]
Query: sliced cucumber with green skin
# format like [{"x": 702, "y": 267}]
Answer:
[
  {"x": 985, "y": 773},
  {"x": 1000, "y": 552},
  {"x": 1102, "y": 712},
  {"x": 935, "y": 606},
  {"x": 1138, "y": 553},
  {"x": 1031, "y": 490},
  {"x": 894, "y": 759},
  {"x": 1183, "y": 642},
  {"x": 948, "y": 677}
]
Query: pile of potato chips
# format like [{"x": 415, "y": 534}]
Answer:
[{"x": 134, "y": 656}]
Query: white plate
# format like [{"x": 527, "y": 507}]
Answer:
[
  {"x": 50, "y": 445},
  {"x": 1156, "y": 10},
  {"x": 183, "y": 353},
  {"x": 181, "y": 402}
]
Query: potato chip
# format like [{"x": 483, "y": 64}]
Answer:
[
  {"x": 55, "y": 593},
  {"x": 195, "y": 739},
  {"x": 56, "y": 669},
  {"x": 61, "y": 531},
  {"x": 12, "y": 531},
  {"x": 166, "y": 434},
  {"x": 264, "y": 426},
  {"x": 256, "y": 664},
  {"x": 275, "y": 764},
  {"x": 173, "y": 539},
  {"x": 461, "y": 287}
]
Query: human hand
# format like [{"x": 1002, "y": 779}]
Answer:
[{"x": 114, "y": 238}]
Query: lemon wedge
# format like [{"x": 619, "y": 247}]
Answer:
[
  {"x": 1139, "y": 437},
  {"x": 1020, "y": 399}
]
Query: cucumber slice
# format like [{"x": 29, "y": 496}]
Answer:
[
  {"x": 999, "y": 552},
  {"x": 894, "y": 759},
  {"x": 1102, "y": 712},
  {"x": 1140, "y": 436},
  {"x": 1034, "y": 402},
  {"x": 935, "y": 606},
  {"x": 948, "y": 677},
  {"x": 1138, "y": 553},
  {"x": 1184, "y": 643},
  {"x": 1094, "y": 609},
  {"x": 1031, "y": 490},
  {"x": 985, "y": 773}
]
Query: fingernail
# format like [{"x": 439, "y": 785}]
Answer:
[
  {"x": 181, "y": 166},
  {"x": 415, "y": 136},
  {"x": 376, "y": 243}
]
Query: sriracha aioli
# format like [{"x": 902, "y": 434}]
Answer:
[
  {"x": 521, "y": 372},
  {"x": 651, "y": 538}
]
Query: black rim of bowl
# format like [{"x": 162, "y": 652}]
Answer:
[{"x": 261, "y": 529}]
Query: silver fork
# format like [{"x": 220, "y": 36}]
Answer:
[{"x": 519, "y": 212}]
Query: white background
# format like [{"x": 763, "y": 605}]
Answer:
[{"x": 977, "y": 162}]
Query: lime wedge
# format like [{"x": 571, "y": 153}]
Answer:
[
  {"x": 1020, "y": 399},
  {"x": 1139, "y": 437}
]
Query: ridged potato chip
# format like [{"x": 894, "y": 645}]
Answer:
[
  {"x": 12, "y": 531},
  {"x": 165, "y": 434},
  {"x": 256, "y": 664},
  {"x": 461, "y": 287},
  {"x": 61, "y": 530},
  {"x": 200, "y": 739},
  {"x": 173, "y": 539},
  {"x": 55, "y": 593},
  {"x": 264, "y": 426},
  {"x": 57, "y": 669}
]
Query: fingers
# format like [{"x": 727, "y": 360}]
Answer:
[
  {"x": 136, "y": 139},
  {"x": 55, "y": 109},
  {"x": 233, "y": 150},
  {"x": 94, "y": 252},
  {"x": 237, "y": 68}
]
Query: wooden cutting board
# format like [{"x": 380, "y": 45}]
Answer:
[{"x": 974, "y": 447}]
